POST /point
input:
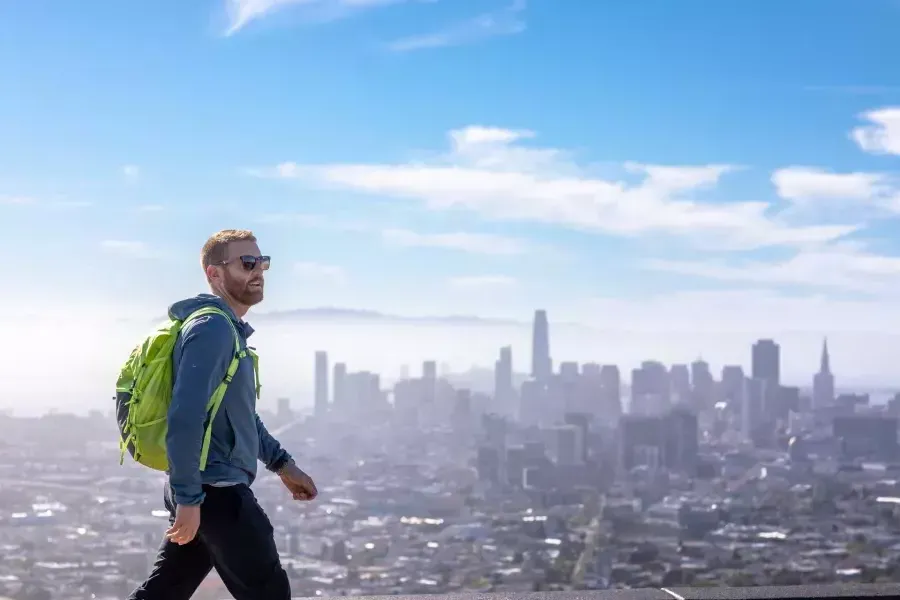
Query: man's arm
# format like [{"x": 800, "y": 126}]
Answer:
[
  {"x": 270, "y": 451},
  {"x": 207, "y": 347},
  {"x": 279, "y": 461}
]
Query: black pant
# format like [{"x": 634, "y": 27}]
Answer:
[{"x": 235, "y": 537}]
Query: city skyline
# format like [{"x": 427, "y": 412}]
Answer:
[
  {"x": 288, "y": 349},
  {"x": 652, "y": 384}
]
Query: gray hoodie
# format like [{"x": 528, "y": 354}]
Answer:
[{"x": 203, "y": 351}]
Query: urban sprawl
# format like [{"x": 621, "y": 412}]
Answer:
[{"x": 543, "y": 482}]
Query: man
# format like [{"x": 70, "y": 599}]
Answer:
[{"x": 215, "y": 519}]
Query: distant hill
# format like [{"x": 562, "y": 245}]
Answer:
[
  {"x": 345, "y": 315},
  {"x": 351, "y": 314}
]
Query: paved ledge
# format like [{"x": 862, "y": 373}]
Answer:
[
  {"x": 637, "y": 594},
  {"x": 819, "y": 592}
]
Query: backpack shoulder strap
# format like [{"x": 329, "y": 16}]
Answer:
[
  {"x": 255, "y": 358},
  {"x": 215, "y": 401},
  {"x": 213, "y": 310}
]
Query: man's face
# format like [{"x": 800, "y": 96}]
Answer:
[{"x": 243, "y": 273}]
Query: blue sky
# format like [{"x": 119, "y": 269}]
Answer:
[{"x": 639, "y": 165}]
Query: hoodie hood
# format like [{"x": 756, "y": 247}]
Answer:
[{"x": 182, "y": 309}]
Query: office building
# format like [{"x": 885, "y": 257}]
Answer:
[
  {"x": 321, "y": 383},
  {"x": 823, "y": 381},
  {"x": 541, "y": 363},
  {"x": 766, "y": 361}
]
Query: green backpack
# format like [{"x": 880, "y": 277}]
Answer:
[{"x": 144, "y": 393}]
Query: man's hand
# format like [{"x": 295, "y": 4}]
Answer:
[
  {"x": 187, "y": 522},
  {"x": 299, "y": 483}
]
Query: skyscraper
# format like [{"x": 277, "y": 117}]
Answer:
[
  {"x": 461, "y": 417},
  {"x": 611, "y": 392},
  {"x": 753, "y": 409},
  {"x": 591, "y": 369},
  {"x": 429, "y": 370},
  {"x": 340, "y": 385},
  {"x": 321, "y": 391},
  {"x": 541, "y": 365},
  {"x": 650, "y": 388},
  {"x": 503, "y": 383},
  {"x": 680, "y": 382},
  {"x": 823, "y": 381},
  {"x": 567, "y": 447},
  {"x": 533, "y": 405},
  {"x": 766, "y": 362},
  {"x": 583, "y": 422},
  {"x": 668, "y": 440},
  {"x": 568, "y": 371},
  {"x": 284, "y": 408},
  {"x": 682, "y": 440},
  {"x": 733, "y": 387},
  {"x": 703, "y": 385}
]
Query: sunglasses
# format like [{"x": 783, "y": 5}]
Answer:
[{"x": 249, "y": 262}]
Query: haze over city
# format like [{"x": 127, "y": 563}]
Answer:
[{"x": 385, "y": 346}]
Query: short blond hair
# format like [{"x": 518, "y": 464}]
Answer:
[{"x": 216, "y": 247}]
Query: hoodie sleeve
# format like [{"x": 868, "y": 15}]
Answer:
[
  {"x": 270, "y": 451},
  {"x": 205, "y": 350}
]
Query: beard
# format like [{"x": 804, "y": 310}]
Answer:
[{"x": 241, "y": 290}]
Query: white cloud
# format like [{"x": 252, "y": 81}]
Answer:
[
  {"x": 242, "y": 12},
  {"x": 490, "y": 171},
  {"x": 676, "y": 179},
  {"x": 882, "y": 134},
  {"x": 810, "y": 183},
  {"x": 844, "y": 266},
  {"x": 319, "y": 271},
  {"x": 506, "y": 21},
  {"x": 476, "y": 134},
  {"x": 481, "y": 281},
  {"x": 131, "y": 172},
  {"x": 475, "y": 243},
  {"x": 130, "y": 248}
]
